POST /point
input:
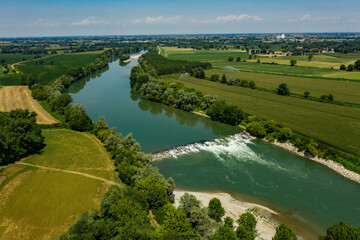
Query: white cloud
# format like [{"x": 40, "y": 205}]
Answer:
[
  {"x": 308, "y": 18},
  {"x": 233, "y": 18},
  {"x": 158, "y": 20},
  {"x": 89, "y": 21},
  {"x": 257, "y": 18},
  {"x": 41, "y": 22}
]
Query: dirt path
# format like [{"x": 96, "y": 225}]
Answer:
[
  {"x": 13, "y": 97},
  {"x": 71, "y": 172}
]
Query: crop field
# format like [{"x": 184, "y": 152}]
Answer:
[
  {"x": 327, "y": 60},
  {"x": 333, "y": 124},
  {"x": 342, "y": 90},
  {"x": 12, "y": 58},
  {"x": 62, "y": 63},
  {"x": 39, "y": 202},
  {"x": 318, "y": 67},
  {"x": 13, "y": 97}
]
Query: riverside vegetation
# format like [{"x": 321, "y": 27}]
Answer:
[
  {"x": 145, "y": 80},
  {"x": 141, "y": 208}
]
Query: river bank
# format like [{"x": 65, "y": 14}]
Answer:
[
  {"x": 266, "y": 217},
  {"x": 337, "y": 167}
]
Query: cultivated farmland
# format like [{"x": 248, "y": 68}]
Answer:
[
  {"x": 61, "y": 64},
  {"x": 46, "y": 193},
  {"x": 319, "y": 67},
  {"x": 345, "y": 91},
  {"x": 333, "y": 124},
  {"x": 20, "y": 97}
]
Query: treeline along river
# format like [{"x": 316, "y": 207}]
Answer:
[{"x": 305, "y": 193}]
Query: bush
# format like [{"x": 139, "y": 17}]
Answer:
[
  {"x": 306, "y": 94},
  {"x": 283, "y": 90},
  {"x": 342, "y": 67},
  {"x": 256, "y": 129},
  {"x": 350, "y": 68},
  {"x": 230, "y": 59},
  {"x": 285, "y": 134},
  {"x": 222, "y": 112},
  {"x": 214, "y": 77}
]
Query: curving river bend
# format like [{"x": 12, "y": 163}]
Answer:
[{"x": 308, "y": 195}]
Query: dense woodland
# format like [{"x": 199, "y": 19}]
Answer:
[{"x": 20, "y": 136}]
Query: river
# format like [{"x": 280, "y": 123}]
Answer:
[{"x": 308, "y": 195}]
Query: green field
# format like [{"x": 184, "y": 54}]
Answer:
[
  {"x": 12, "y": 58},
  {"x": 42, "y": 201},
  {"x": 62, "y": 63},
  {"x": 342, "y": 90},
  {"x": 333, "y": 124},
  {"x": 219, "y": 59}
]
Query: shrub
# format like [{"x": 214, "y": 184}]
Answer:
[
  {"x": 283, "y": 90},
  {"x": 256, "y": 129}
]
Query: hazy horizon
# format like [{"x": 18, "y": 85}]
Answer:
[{"x": 39, "y": 18}]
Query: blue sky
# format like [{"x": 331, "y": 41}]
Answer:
[{"x": 19, "y": 18}]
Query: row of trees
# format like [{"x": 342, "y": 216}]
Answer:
[
  {"x": 163, "y": 65},
  {"x": 20, "y": 136},
  {"x": 351, "y": 67},
  {"x": 174, "y": 94},
  {"x": 233, "y": 81}
]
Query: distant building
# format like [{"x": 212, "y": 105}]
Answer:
[{"x": 282, "y": 36}]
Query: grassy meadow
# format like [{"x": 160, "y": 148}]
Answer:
[
  {"x": 40, "y": 203},
  {"x": 333, "y": 124}
]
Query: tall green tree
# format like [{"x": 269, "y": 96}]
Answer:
[
  {"x": 216, "y": 211},
  {"x": 283, "y": 232}
]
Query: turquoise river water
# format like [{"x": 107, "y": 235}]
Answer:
[{"x": 308, "y": 196}]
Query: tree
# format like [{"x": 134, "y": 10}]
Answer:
[
  {"x": 293, "y": 62},
  {"x": 230, "y": 59},
  {"x": 80, "y": 121},
  {"x": 270, "y": 126},
  {"x": 252, "y": 85},
  {"x": 214, "y": 77},
  {"x": 256, "y": 129},
  {"x": 283, "y": 90},
  {"x": 223, "y": 79},
  {"x": 175, "y": 221},
  {"x": 285, "y": 134},
  {"x": 2, "y": 61},
  {"x": 20, "y": 136},
  {"x": 248, "y": 221},
  {"x": 350, "y": 68},
  {"x": 188, "y": 202},
  {"x": 283, "y": 232},
  {"x": 224, "y": 233},
  {"x": 306, "y": 94},
  {"x": 310, "y": 57},
  {"x": 341, "y": 231},
  {"x": 51, "y": 62},
  {"x": 342, "y": 67},
  {"x": 357, "y": 65},
  {"x": 238, "y": 59},
  {"x": 156, "y": 196},
  {"x": 215, "y": 210}
]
